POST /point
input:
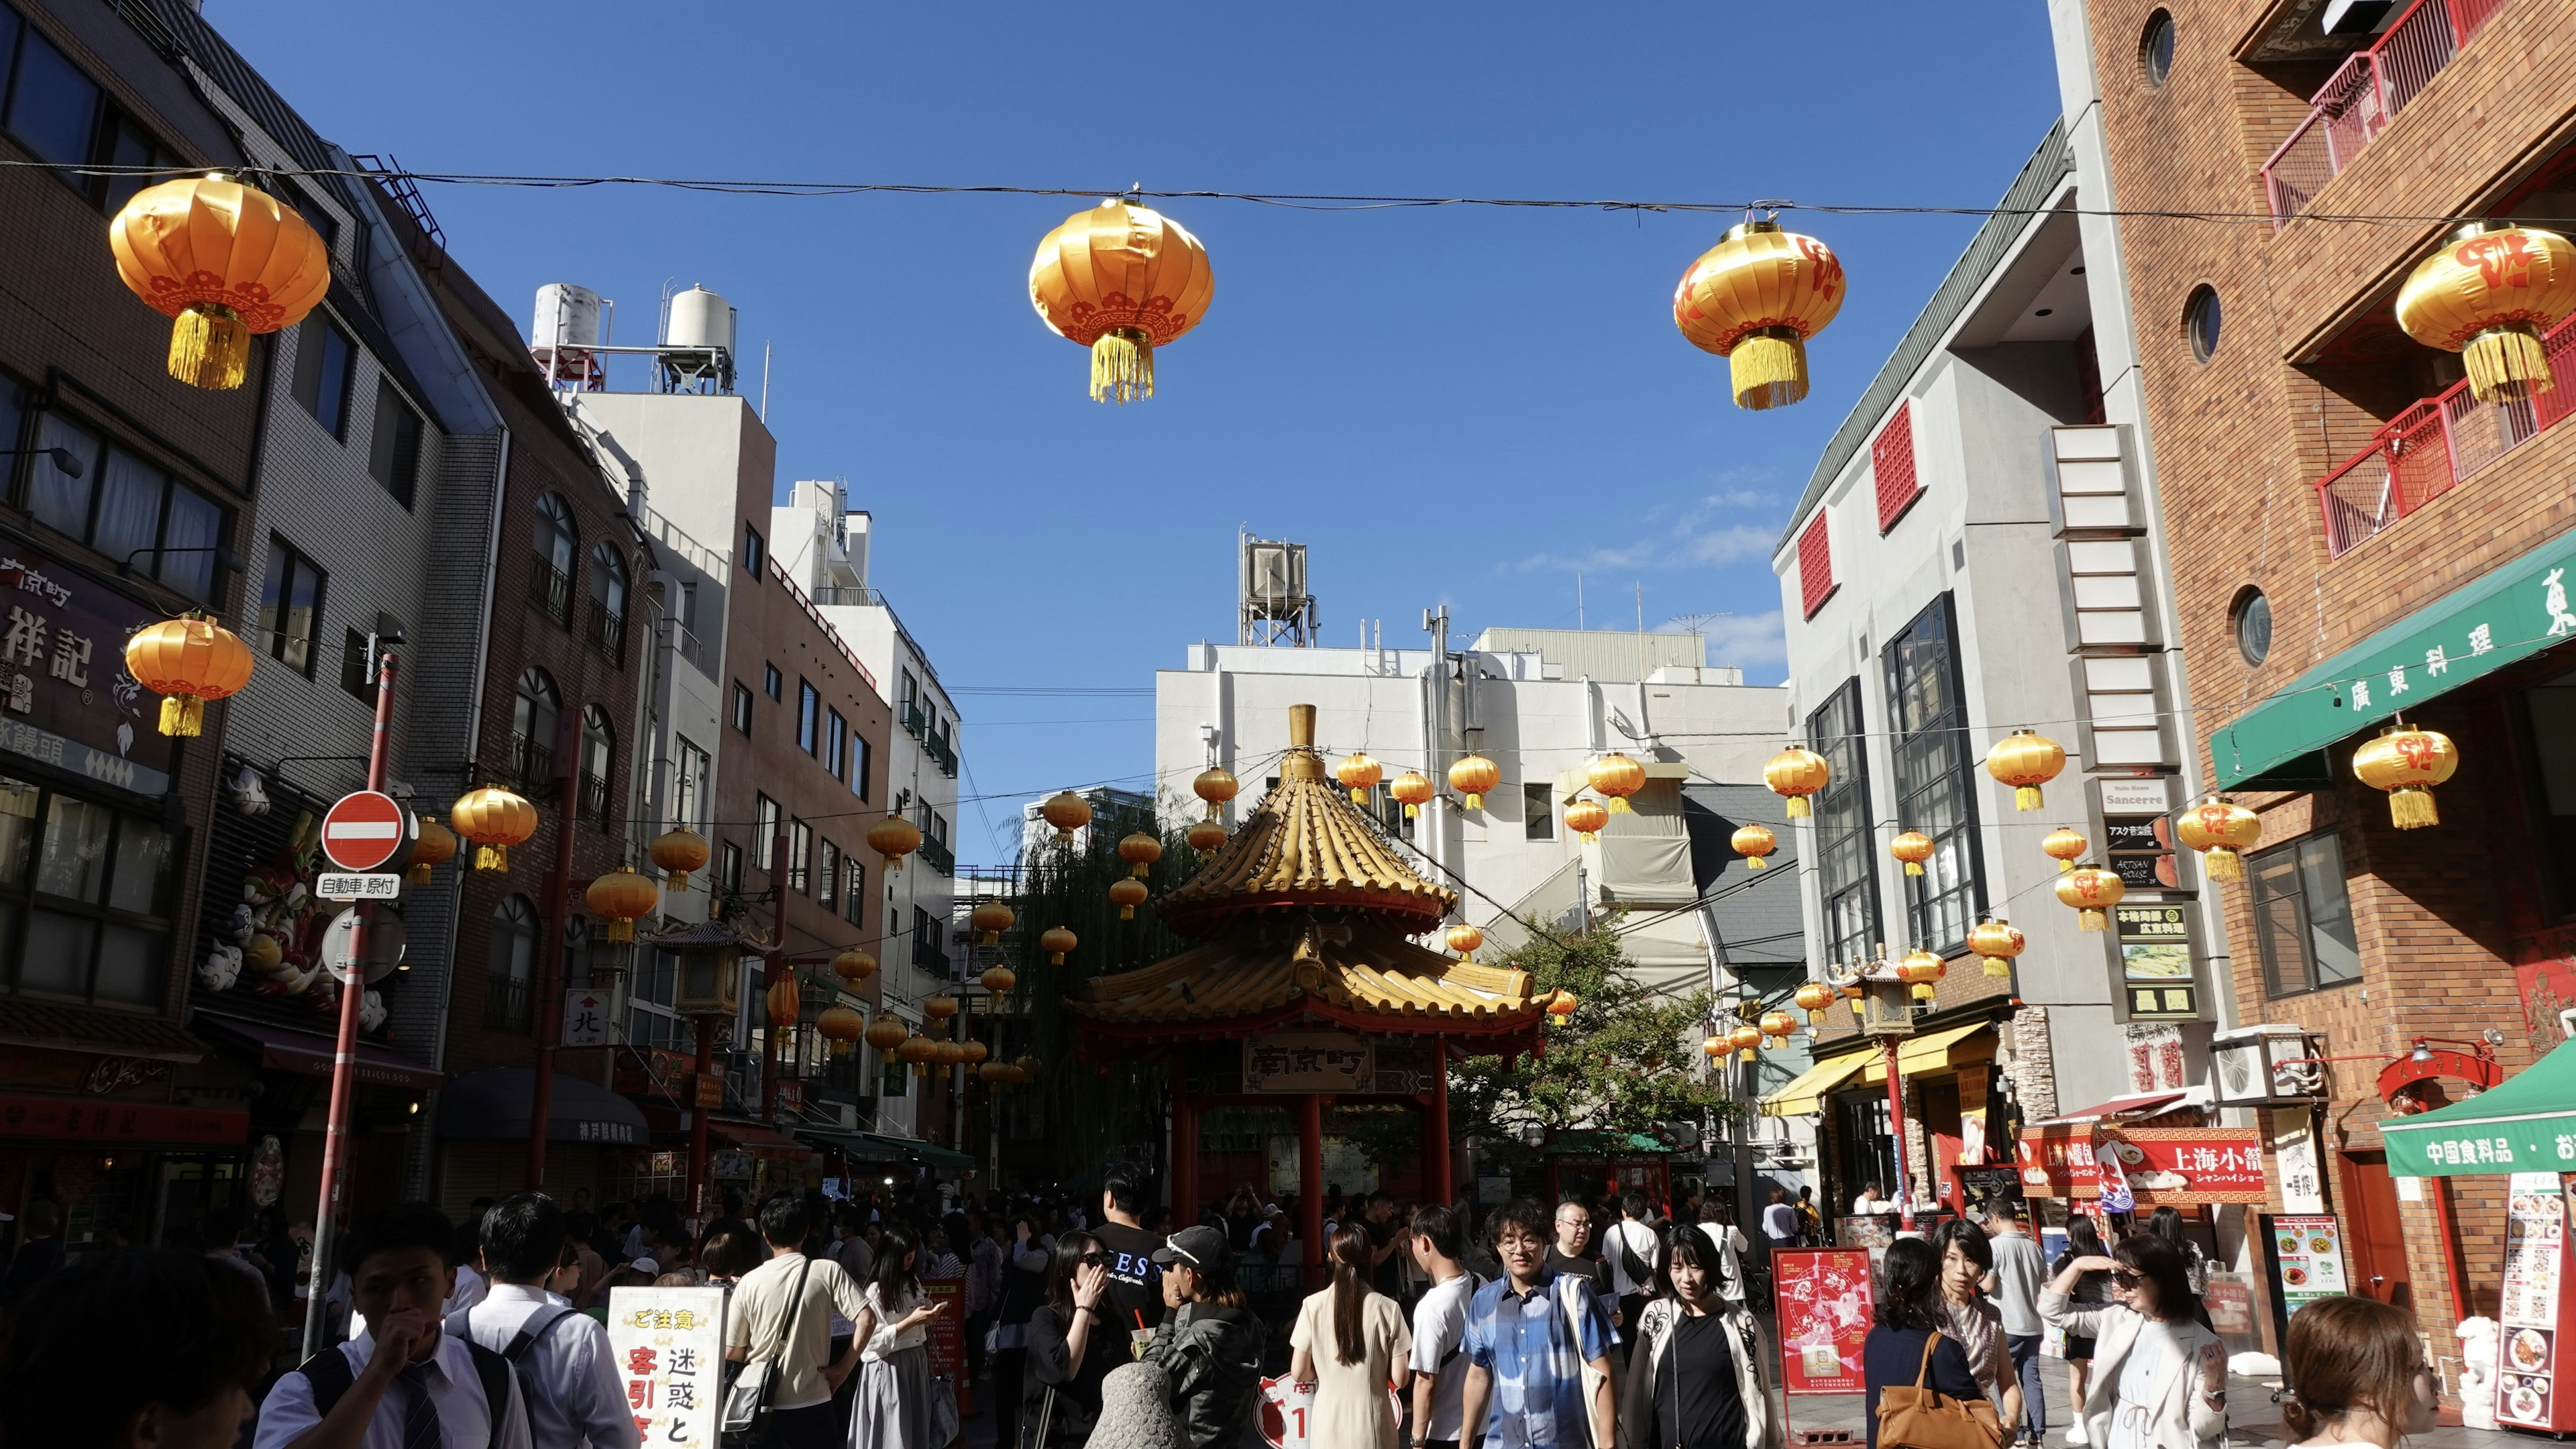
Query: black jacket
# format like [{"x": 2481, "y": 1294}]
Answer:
[{"x": 1213, "y": 1357}]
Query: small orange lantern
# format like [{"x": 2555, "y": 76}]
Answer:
[
  {"x": 1754, "y": 299},
  {"x": 494, "y": 819},
  {"x": 976, "y": 1052},
  {"x": 1754, "y": 842},
  {"x": 785, "y": 1002},
  {"x": 1996, "y": 944},
  {"x": 187, "y": 661},
  {"x": 1464, "y": 939},
  {"x": 1056, "y": 942},
  {"x": 1585, "y": 818},
  {"x": 2489, "y": 294},
  {"x": 1140, "y": 850},
  {"x": 1561, "y": 1003},
  {"x": 886, "y": 1032},
  {"x": 1796, "y": 773},
  {"x": 2065, "y": 847},
  {"x": 991, "y": 919},
  {"x": 1472, "y": 777},
  {"x": 1412, "y": 788},
  {"x": 854, "y": 965},
  {"x": 1357, "y": 771},
  {"x": 2222, "y": 831},
  {"x": 1215, "y": 785},
  {"x": 434, "y": 846},
  {"x": 2025, "y": 761},
  {"x": 940, "y": 1008},
  {"x": 1127, "y": 894},
  {"x": 223, "y": 261},
  {"x": 1813, "y": 998},
  {"x": 2092, "y": 891},
  {"x": 1715, "y": 1047},
  {"x": 679, "y": 852},
  {"x": 999, "y": 979},
  {"x": 1067, "y": 812},
  {"x": 1919, "y": 970},
  {"x": 1122, "y": 280},
  {"x": 920, "y": 1052},
  {"x": 618, "y": 898},
  {"x": 994, "y": 1073},
  {"x": 840, "y": 1023},
  {"x": 1744, "y": 1039},
  {"x": 1617, "y": 777},
  {"x": 892, "y": 839},
  {"x": 2407, "y": 763},
  {"x": 1206, "y": 836},
  {"x": 1779, "y": 1026},
  {"x": 951, "y": 1053},
  {"x": 1913, "y": 847}
]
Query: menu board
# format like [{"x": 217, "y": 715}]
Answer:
[
  {"x": 668, "y": 1344},
  {"x": 2307, "y": 1254},
  {"x": 947, "y": 1343},
  {"x": 1823, "y": 1299},
  {"x": 1872, "y": 1232},
  {"x": 2535, "y": 1259}
]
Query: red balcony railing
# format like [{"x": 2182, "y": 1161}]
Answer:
[
  {"x": 2359, "y": 100},
  {"x": 2432, "y": 447}
]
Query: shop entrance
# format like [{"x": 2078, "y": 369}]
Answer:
[{"x": 2378, "y": 1243}]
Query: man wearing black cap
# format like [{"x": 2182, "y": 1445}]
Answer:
[{"x": 1210, "y": 1344}]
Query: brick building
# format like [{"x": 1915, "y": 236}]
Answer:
[{"x": 2350, "y": 534}]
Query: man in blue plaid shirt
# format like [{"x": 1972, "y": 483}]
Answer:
[{"x": 1531, "y": 1337}]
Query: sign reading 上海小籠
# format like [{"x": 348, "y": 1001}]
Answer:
[
  {"x": 65, "y": 697},
  {"x": 667, "y": 1346},
  {"x": 1307, "y": 1061},
  {"x": 2176, "y": 1166}
]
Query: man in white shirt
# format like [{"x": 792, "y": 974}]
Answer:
[
  {"x": 1780, "y": 1221},
  {"x": 1629, "y": 1249},
  {"x": 762, "y": 1323},
  {"x": 576, "y": 1396},
  {"x": 1439, "y": 1329},
  {"x": 1868, "y": 1203},
  {"x": 405, "y": 1383}
]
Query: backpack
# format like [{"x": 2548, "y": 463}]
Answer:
[
  {"x": 1638, "y": 1271},
  {"x": 330, "y": 1375},
  {"x": 515, "y": 1353}
]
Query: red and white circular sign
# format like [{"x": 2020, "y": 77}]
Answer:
[{"x": 364, "y": 830}]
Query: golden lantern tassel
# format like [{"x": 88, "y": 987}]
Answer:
[
  {"x": 675, "y": 882},
  {"x": 2091, "y": 920},
  {"x": 209, "y": 346},
  {"x": 183, "y": 714},
  {"x": 1920, "y": 991},
  {"x": 1798, "y": 809},
  {"x": 2027, "y": 797},
  {"x": 1411, "y": 810},
  {"x": 492, "y": 857},
  {"x": 2507, "y": 363},
  {"x": 1755, "y": 862},
  {"x": 1619, "y": 805},
  {"x": 1914, "y": 867},
  {"x": 621, "y": 931},
  {"x": 1122, "y": 366},
  {"x": 1768, "y": 368},
  {"x": 1999, "y": 966},
  {"x": 1126, "y": 913},
  {"x": 2412, "y": 808},
  {"x": 2225, "y": 864},
  {"x": 1475, "y": 802},
  {"x": 418, "y": 875}
]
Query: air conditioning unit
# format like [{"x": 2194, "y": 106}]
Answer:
[{"x": 2265, "y": 1066}]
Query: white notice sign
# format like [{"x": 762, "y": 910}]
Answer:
[
  {"x": 668, "y": 1348},
  {"x": 375, "y": 886},
  {"x": 585, "y": 1018},
  {"x": 2135, "y": 797}
]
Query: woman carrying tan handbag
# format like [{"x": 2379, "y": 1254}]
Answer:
[{"x": 1920, "y": 1392}]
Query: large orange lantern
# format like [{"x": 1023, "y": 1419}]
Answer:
[
  {"x": 1140, "y": 850},
  {"x": 1919, "y": 970},
  {"x": 1067, "y": 812},
  {"x": 1000, "y": 979},
  {"x": 1057, "y": 942},
  {"x": 2065, "y": 847},
  {"x": 1913, "y": 847},
  {"x": 1754, "y": 299},
  {"x": 679, "y": 852},
  {"x": 1586, "y": 817},
  {"x": 991, "y": 919},
  {"x": 1754, "y": 842},
  {"x": 2489, "y": 294},
  {"x": 1215, "y": 785},
  {"x": 223, "y": 261},
  {"x": 854, "y": 965},
  {"x": 2092, "y": 891},
  {"x": 1778, "y": 1025},
  {"x": 1127, "y": 893},
  {"x": 840, "y": 1023},
  {"x": 892, "y": 839},
  {"x": 1996, "y": 944},
  {"x": 1359, "y": 772},
  {"x": 2025, "y": 761},
  {"x": 1616, "y": 777},
  {"x": 920, "y": 1052},
  {"x": 1464, "y": 939},
  {"x": 1121, "y": 280},
  {"x": 2222, "y": 831},
  {"x": 1206, "y": 836},
  {"x": 939, "y": 1008},
  {"x": 434, "y": 846},
  {"x": 785, "y": 1002},
  {"x": 887, "y": 1032},
  {"x": 1744, "y": 1039},
  {"x": 494, "y": 819},
  {"x": 187, "y": 661},
  {"x": 976, "y": 1052},
  {"x": 1412, "y": 788},
  {"x": 2407, "y": 763},
  {"x": 952, "y": 1053},
  {"x": 1472, "y": 777},
  {"x": 1813, "y": 998},
  {"x": 618, "y": 898},
  {"x": 1561, "y": 1003},
  {"x": 1796, "y": 773}
]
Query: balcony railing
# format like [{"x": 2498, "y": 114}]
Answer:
[
  {"x": 550, "y": 590},
  {"x": 2429, "y": 449},
  {"x": 592, "y": 803},
  {"x": 533, "y": 761},
  {"x": 916, "y": 721},
  {"x": 929, "y": 958},
  {"x": 941, "y": 751},
  {"x": 606, "y": 633},
  {"x": 505, "y": 1003},
  {"x": 2359, "y": 100},
  {"x": 938, "y": 856}
]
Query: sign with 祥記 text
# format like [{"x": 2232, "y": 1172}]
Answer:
[
  {"x": 1307, "y": 1061},
  {"x": 65, "y": 697},
  {"x": 667, "y": 1345}
]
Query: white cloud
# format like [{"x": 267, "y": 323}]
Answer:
[{"x": 1709, "y": 530}]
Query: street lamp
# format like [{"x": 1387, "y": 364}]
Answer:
[{"x": 65, "y": 461}]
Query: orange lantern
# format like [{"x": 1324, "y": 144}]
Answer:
[
  {"x": 920, "y": 1052},
  {"x": 1140, "y": 850},
  {"x": 1206, "y": 836},
  {"x": 1067, "y": 812},
  {"x": 1778, "y": 1025},
  {"x": 2489, "y": 294},
  {"x": 994, "y": 1073},
  {"x": 1586, "y": 817},
  {"x": 223, "y": 261},
  {"x": 1413, "y": 788},
  {"x": 991, "y": 918},
  {"x": 951, "y": 1053},
  {"x": 2092, "y": 891},
  {"x": 1913, "y": 847},
  {"x": 1056, "y": 943},
  {"x": 1473, "y": 776},
  {"x": 1618, "y": 777},
  {"x": 435, "y": 845},
  {"x": 619, "y": 897},
  {"x": 1744, "y": 1039},
  {"x": 1814, "y": 998},
  {"x": 1000, "y": 979},
  {"x": 679, "y": 852},
  {"x": 1215, "y": 785},
  {"x": 2025, "y": 761},
  {"x": 785, "y": 1002},
  {"x": 1121, "y": 280},
  {"x": 187, "y": 660},
  {"x": 1464, "y": 940},
  {"x": 1919, "y": 970},
  {"x": 2407, "y": 763},
  {"x": 840, "y": 1023},
  {"x": 1754, "y": 299},
  {"x": 886, "y": 1032},
  {"x": 976, "y": 1052},
  {"x": 1127, "y": 894},
  {"x": 1715, "y": 1046},
  {"x": 494, "y": 819},
  {"x": 854, "y": 965},
  {"x": 940, "y": 1008},
  {"x": 1561, "y": 1003},
  {"x": 892, "y": 839},
  {"x": 1996, "y": 944},
  {"x": 2065, "y": 847},
  {"x": 1754, "y": 842},
  {"x": 1796, "y": 773},
  {"x": 1357, "y": 771},
  {"x": 2222, "y": 831}
]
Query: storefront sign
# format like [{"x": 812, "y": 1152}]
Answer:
[
  {"x": 2533, "y": 1301},
  {"x": 2163, "y": 1166},
  {"x": 2294, "y": 1162},
  {"x": 1823, "y": 1299},
  {"x": 654, "y": 1071},
  {"x": 1873, "y": 1233},
  {"x": 2230, "y": 1301},
  {"x": 65, "y": 697},
  {"x": 119, "y": 1122},
  {"x": 2135, "y": 797},
  {"x": 585, "y": 1018},
  {"x": 1307, "y": 1061},
  {"x": 1993, "y": 1187},
  {"x": 668, "y": 1348},
  {"x": 947, "y": 1338},
  {"x": 2155, "y": 961},
  {"x": 2307, "y": 1258},
  {"x": 710, "y": 1089}
]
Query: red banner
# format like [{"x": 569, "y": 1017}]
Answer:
[
  {"x": 119, "y": 1122},
  {"x": 948, "y": 1336},
  {"x": 2177, "y": 1166},
  {"x": 1823, "y": 1299}
]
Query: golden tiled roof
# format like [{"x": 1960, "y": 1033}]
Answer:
[
  {"x": 1305, "y": 844},
  {"x": 1338, "y": 963}
]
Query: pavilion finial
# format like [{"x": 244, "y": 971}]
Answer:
[{"x": 1301, "y": 726}]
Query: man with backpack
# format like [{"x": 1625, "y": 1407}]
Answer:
[
  {"x": 1439, "y": 1329},
  {"x": 1629, "y": 1249},
  {"x": 404, "y": 1382},
  {"x": 567, "y": 1373}
]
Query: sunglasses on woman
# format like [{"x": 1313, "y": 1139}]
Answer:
[
  {"x": 2124, "y": 1277},
  {"x": 1094, "y": 1260}
]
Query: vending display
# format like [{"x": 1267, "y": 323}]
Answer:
[{"x": 2536, "y": 1264}]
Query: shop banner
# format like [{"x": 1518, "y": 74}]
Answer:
[
  {"x": 668, "y": 1347},
  {"x": 1823, "y": 1299},
  {"x": 2163, "y": 1166},
  {"x": 71, "y": 1117},
  {"x": 948, "y": 1337}
]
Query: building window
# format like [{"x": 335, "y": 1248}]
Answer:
[
  {"x": 124, "y": 507},
  {"x": 1815, "y": 564},
  {"x": 290, "y": 607},
  {"x": 2200, "y": 322},
  {"x": 755, "y": 552},
  {"x": 1891, "y": 467},
  {"x": 809, "y": 717},
  {"x": 357, "y": 671},
  {"x": 535, "y": 713},
  {"x": 2251, "y": 621},
  {"x": 741, "y": 708},
  {"x": 1936, "y": 777},
  {"x": 606, "y": 633},
  {"x": 2302, "y": 918},
  {"x": 510, "y": 972},
  {"x": 836, "y": 738},
  {"x": 2156, "y": 47},
  {"x": 860, "y": 755},
  {"x": 1538, "y": 812},
  {"x": 649, "y": 1019},
  {"x": 1847, "y": 860},
  {"x": 773, "y": 683},
  {"x": 53, "y": 108},
  {"x": 688, "y": 778},
  {"x": 827, "y": 874},
  {"x": 556, "y": 543},
  {"x": 854, "y": 899},
  {"x": 800, "y": 856},
  {"x": 324, "y": 360},
  {"x": 393, "y": 453},
  {"x": 729, "y": 868},
  {"x": 764, "y": 832},
  {"x": 598, "y": 755},
  {"x": 84, "y": 898}
]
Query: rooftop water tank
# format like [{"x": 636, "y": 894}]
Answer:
[
  {"x": 700, "y": 319},
  {"x": 567, "y": 316}
]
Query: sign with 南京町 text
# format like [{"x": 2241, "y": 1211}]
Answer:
[
  {"x": 667, "y": 1345},
  {"x": 1307, "y": 1061}
]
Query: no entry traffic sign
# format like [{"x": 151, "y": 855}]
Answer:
[{"x": 364, "y": 830}]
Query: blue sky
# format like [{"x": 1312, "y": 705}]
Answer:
[{"x": 1465, "y": 406}]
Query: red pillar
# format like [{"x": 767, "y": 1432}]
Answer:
[
  {"x": 1440, "y": 1181},
  {"x": 1185, "y": 1148},
  {"x": 1310, "y": 1183},
  {"x": 1896, "y": 1129}
]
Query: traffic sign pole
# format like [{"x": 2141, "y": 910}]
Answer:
[{"x": 344, "y": 1059}]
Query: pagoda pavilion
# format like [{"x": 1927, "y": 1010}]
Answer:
[{"x": 1305, "y": 987}]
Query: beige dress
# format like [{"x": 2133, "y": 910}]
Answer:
[{"x": 1351, "y": 1407}]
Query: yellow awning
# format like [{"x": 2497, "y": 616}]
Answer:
[
  {"x": 1960, "y": 1046},
  {"x": 1806, "y": 1093}
]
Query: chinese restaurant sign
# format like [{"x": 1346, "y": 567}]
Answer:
[
  {"x": 1823, "y": 1295},
  {"x": 1307, "y": 1061},
  {"x": 667, "y": 1345},
  {"x": 119, "y": 1122},
  {"x": 65, "y": 697},
  {"x": 2164, "y": 1166}
]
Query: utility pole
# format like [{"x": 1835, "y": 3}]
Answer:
[{"x": 1435, "y": 820}]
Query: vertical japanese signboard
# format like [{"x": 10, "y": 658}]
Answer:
[
  {"x": 2535, "y": 1304},
  {"x": 947, "y": 1336},
  {"x": 668, "y": 1344},
  {"x": 1823, "y": 1299}
]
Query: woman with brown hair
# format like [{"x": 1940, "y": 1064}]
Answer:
[
  {"x": 1352, "y": 1344},
  {"x": 2159, "y": 1378},
  {"x": 2356, "y": 1375}
]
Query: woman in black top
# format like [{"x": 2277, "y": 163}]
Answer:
[
  {"x": 1072, "y": 1346},
  {"x": 1700, "y": 1374},
  {"x": 1909, "y": 1313},
  {"x": 2083, "y": 1240}
]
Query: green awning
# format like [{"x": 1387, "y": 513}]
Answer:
[
  {"x": 1593, "y": 1143},
  {"x": 2503, "y": 617},
  {"x": 2527, "y": 1124}
]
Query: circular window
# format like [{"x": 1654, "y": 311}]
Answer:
[
  {"x": 2200, "y": 322},
  {"x": 2156, "y": 47},
  {"x": 2253, "y": 620}
]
